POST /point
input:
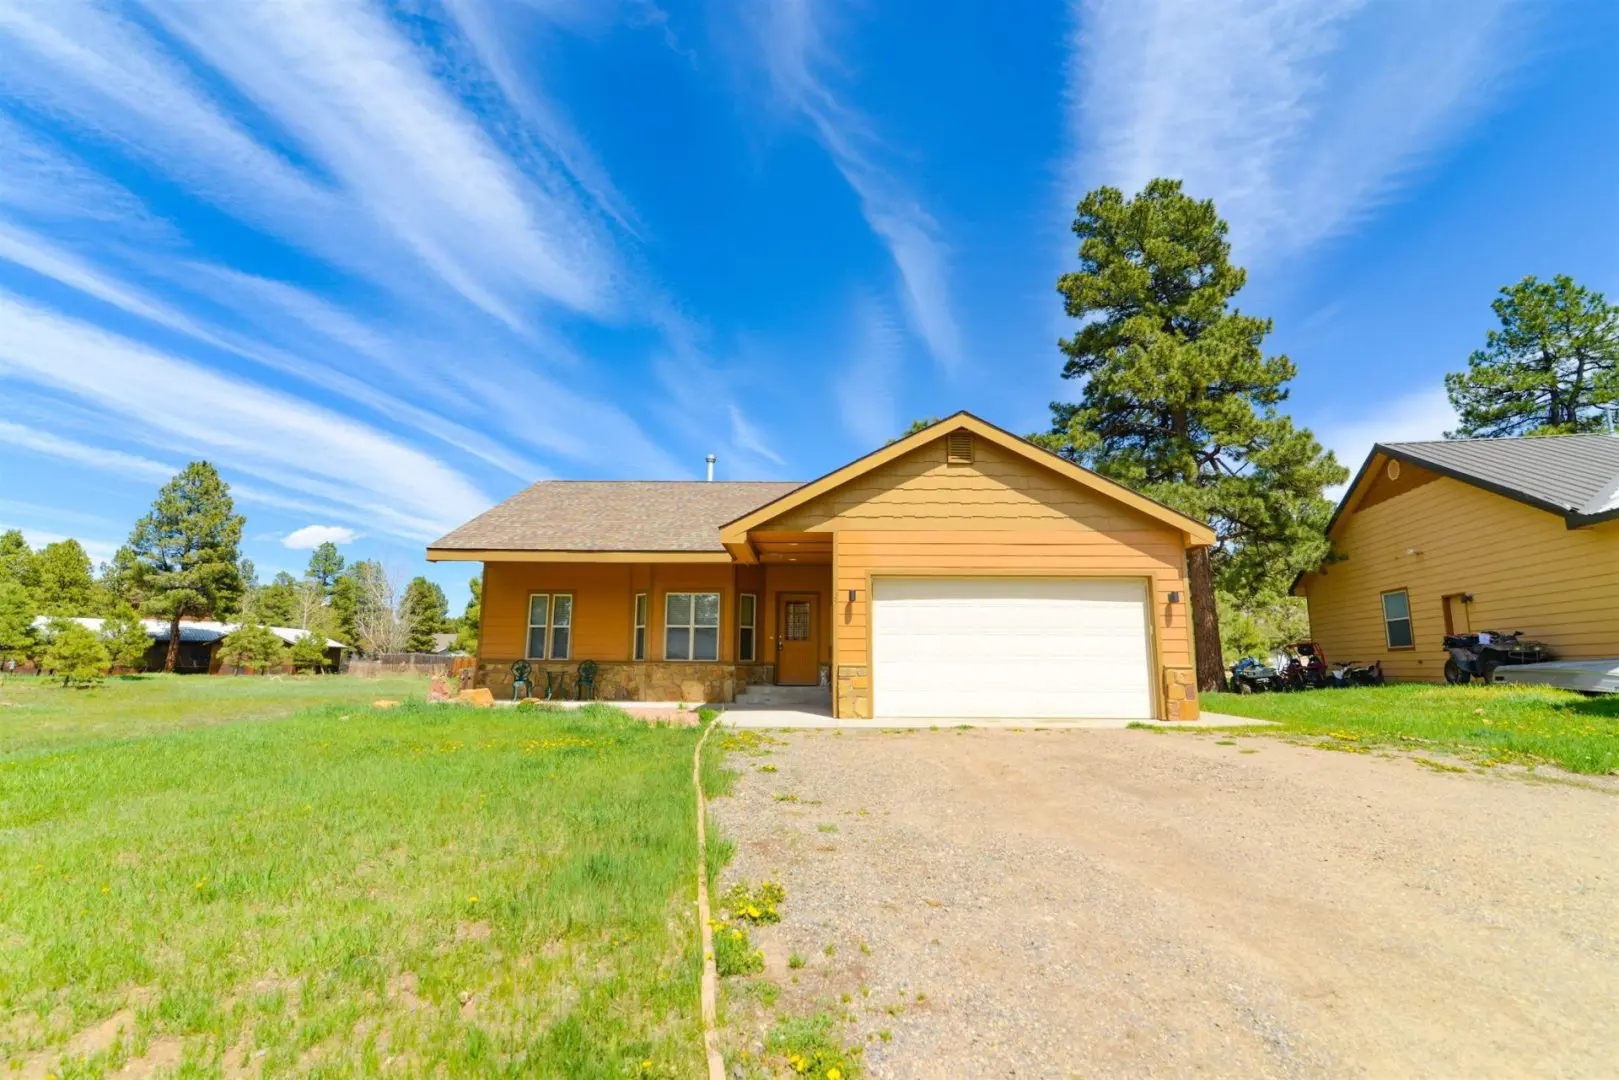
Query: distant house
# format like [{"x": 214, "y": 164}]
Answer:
[
  {"x": 1465, "y": 535},
  {"x": 443, "y": 644},
  {"x": 199, "y": 642}
]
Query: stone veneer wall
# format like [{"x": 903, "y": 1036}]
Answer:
[
  {"x": 1180, "y": 694},
  {"x": 694, "y": 683},
  {"x": 854, "y": 691}
]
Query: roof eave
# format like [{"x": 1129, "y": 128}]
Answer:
[{"x": 488, "y": 555}]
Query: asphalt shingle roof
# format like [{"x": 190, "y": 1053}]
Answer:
[
  {"x": 1577, "y": 475},
  {"x": 614, "y": 515}
]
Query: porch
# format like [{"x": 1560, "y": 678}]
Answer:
[{"x": 693, "y": 627}]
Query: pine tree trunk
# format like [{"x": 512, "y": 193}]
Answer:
[
  {"x": 173, "y": 657},
  {"x": 1205, "y": 620}
]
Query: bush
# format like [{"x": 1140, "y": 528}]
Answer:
[
  {"x": 125, "y": 639},
  {"x": 309, "y": 652},
  {"x": 252, "y": 646},
  {"x": 75, "y": 653}
]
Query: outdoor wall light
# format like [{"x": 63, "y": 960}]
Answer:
[
  {"x": 1467, "y": 598},
  {"x": 1174, "y": 598},
  {"x": 852, "y": 593}
]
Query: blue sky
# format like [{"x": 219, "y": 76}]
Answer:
[{"x": 386, "y": 264}]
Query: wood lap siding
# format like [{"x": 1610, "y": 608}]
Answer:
[
  {"x": 999, "y": 490},
  {"x": 1525, "y": 569},
  {"x": 999, "y": 515}
]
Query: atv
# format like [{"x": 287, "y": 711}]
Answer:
[
  {"x": 1251, "y": 676},
  {"x": 1476, "y": 656}
]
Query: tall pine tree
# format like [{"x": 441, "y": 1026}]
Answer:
[
  {"x": 424, "y": 610},
  {"x": 1547, "y": 370},
  {"x": 64, "y": 582},
  {"x": 186, "y": 546},
  {"x": 1181, "y": 403}
]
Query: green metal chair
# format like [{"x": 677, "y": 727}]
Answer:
[
  {"x": 522, "y": 676},
  {"x": 584, "y": 686}
]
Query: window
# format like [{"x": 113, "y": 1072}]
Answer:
[
  {"x": 691, "y": 626},
  {"x": 550, "y": 623},
  {"x": 640, "y": 626},
  {"x": 746, "y": 618},
  {"x": 1397, "y": 620}
]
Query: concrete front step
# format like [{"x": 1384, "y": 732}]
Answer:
[{"x": 775, "y": 696}]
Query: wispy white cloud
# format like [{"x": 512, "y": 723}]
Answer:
[
  {"x": 94, "y": 457},
  {"x": 1425, "y": 414},
  {"x": 868, "y": 384},
  {"x": 98, "y": 550},
  {"x": 353, "y": 92},
  {"x": 792, "y": 34},
  {"x": 1298, "y": 117},
  {"x": 292, "y": 443},
  {"x": 313, "y": 536},
  {"x": 747, "y": 438}
]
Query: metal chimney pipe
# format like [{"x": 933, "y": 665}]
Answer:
[{"x": 711, "y": 459}]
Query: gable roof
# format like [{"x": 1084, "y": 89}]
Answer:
[
  {"x": 735, "y": 532},
  {"x": 630, "y": 516},
  {"x": 1573, "y": 476}
]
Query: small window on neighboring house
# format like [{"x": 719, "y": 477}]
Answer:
[
  {"x": 640, "y": 625},
  {"x": 550, "y": 626},
  {"x": 746, "y": 613},
  {"x": 691, "y": 626},
  {"x": 1397, "y": 620}
]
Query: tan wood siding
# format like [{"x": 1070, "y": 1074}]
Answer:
[
  {"x": 998, "y": 490},
  {"x": 1525, "y": 569}
]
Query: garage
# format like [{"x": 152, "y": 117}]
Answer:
[{"x": 1011, "y": 647}]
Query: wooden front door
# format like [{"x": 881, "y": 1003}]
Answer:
[{"x": 797, "y": 641}]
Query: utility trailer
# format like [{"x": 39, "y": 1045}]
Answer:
[{"x": 1586, "y": 676}]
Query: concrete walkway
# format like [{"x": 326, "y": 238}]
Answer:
[{"x": 801, "y": 717}]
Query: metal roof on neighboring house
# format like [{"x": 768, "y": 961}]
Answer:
[
  {"x": 1573, "y": 475},
  {"x": 192, "y": 631},
  {"x": 614, "y": 515}
]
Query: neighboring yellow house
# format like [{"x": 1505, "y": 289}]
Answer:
[
  {"x": 960, "y": 572},
  {"x": 1467, "y": 535}
]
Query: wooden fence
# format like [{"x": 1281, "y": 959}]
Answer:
[{"x": 407, "y": 663}]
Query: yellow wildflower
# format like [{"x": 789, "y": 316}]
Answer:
[
  {"x": 834, "y": 1074},
  {"x": 472, "y": 899}
]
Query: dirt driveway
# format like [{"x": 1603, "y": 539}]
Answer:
[{"x": 1084, "y": 903}]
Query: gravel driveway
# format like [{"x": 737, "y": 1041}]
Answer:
[{"x": 1084, "y": 903}]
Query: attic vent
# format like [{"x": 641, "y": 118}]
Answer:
[{"x": 958, "y": 448}]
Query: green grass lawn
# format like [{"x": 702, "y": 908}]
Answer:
[
  {"x": 37, "y": 714},
  {"x": 213, "y": 875},
  {"x": 1487, "y": 724}
]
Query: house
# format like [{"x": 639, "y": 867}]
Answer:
[
  {"x": 960, "y": 572},
  {"x": 199, "y": 642},
  {"x": 1466, "y": 535}
]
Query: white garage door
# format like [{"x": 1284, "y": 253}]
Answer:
[{"x": 1010, "y": 647}]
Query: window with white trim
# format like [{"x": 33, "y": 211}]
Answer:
[
  {"x": 747, "y": 614},
  {"x": 640, "y": 626},
  {"x": 550, "y": 626},
  {"x": 691, "y": 626},
  {"x": 1397, "y": 620}
]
